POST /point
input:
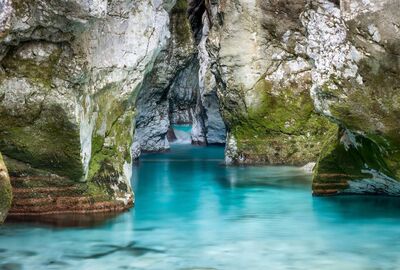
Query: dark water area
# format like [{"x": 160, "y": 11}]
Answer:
[{"x": 194, "y": 213}]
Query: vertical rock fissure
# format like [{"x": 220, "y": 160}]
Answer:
[{"x": 170, "y": 93}]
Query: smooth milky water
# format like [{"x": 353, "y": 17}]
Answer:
[
  {"x": 182, "y": 134},
  {"x": 193, "y": 213}
]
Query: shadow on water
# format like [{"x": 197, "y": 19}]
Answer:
[
  {"x": 355, "y": 207},
  {"x": 64, "y": 220},
  {"x": 104, "y": 250},
  {"x": 277, "y": 177}
]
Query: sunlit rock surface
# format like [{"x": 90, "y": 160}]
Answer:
[
  {"x": 282, "y": 69},
  {"x": 70, "y": 73},
  {"x": 254, "y": 57},
  {"x": 356, "y": 50},
  {"x": 86, "y": 86}
]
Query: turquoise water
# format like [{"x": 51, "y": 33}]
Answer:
[{"x": 193, "y": 213}]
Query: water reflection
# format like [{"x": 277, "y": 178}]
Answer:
[
  {"x": 64, "y": 220},
  {"x": 193, "y": 213},
  {"x": 360, "y": 207}
]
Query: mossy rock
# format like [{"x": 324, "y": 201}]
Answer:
[
  {"x": 111, "y": 140},
  {"x": 348, "y": 157},
  {"x": 180, "y": 25},
  {"x": 38, "y": 127},
  {"x": 282, "y": 128},
  {"x": 49, "y": 143},
  {"x": 371, "y": 109},
  {"x": 5, "y": 191}
]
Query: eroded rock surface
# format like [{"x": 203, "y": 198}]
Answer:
[
  {"x": 153, "y": 103},
  {"x": 355, "y": 48},
  {"x": 254, "y": 58},
  {"x": 86, "y": 86},
  {"x": 305, "y": 80},
  {"x": 70, "y": 73}
]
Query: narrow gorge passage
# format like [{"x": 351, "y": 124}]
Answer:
[
  {"x": 173, "y": 91},
  {"x": 199, "y": 134},
  {"x": 194, "y": 213}
]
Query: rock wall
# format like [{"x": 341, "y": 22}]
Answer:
[
  {"x": 5, "y": 191},
  {"x": 70, "y": 74},
  {"x": 172, "y": 92},
  {"x": 254, "y": 59},
  {"x": 355, "y": 48},
  {"x": 86, "y": 85},
  {"x": 153, "y": 103},
  {"x": 305, "y": 80}
]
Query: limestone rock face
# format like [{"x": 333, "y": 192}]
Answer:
[
  {"x": 172, "y": 92},
  {"x": 355, "y": 48},
  {"x": 69, "y": 77},
  {"x": 5, "y": 191},
  {"x": 155, "y": 98},
  {"x": 282, "y": 69},
  {"x": 254, "y": 58},
  {"x": 87, "y": 85},
  {"x": 208, "y": 125}
]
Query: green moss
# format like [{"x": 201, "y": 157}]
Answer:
[
  {"x": 181, "y": 29},
  {"x": 41, "y": 135},
  {"x": 372, "y": 108},
  {"x": 36, "y": 72},
  {"x": 49, "y": 142},
  {"x": 97, "y": 192},
  {"x": 111, "y": 139},
  {"x": 5, "y": 191},
  {"x": 282, "y": 128},
  {"x": 338, "y": 164}
]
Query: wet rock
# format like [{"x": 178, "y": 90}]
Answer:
[
  {"x": 164, "y": 83},
  {"x": 256, "y": 65},
  {"x": 5, "y": 191},
  {"x": 355, "y": 82}
]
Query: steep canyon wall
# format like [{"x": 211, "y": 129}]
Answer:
[{"x": 86, "y": 85}]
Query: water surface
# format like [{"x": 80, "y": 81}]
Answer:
[{"x": 193, "y": 213}]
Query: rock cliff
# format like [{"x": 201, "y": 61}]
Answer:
[
  {"x": 282, "y": 69},
  {"x": 70, "y": 73},
  {"x": 5, "y": 191},
  {"x": 86, "y": 85},
  {"x": 355, "y": 50},
  {"x": 254, "y": 55}
]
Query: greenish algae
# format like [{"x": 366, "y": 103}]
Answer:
[
  {"x": 282, "y": 128},
  {"x": 342, "y": 161},
  {"x": 5, "y": 191}
]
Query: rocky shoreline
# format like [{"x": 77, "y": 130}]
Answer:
[{"x": 86, "y": 86}]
